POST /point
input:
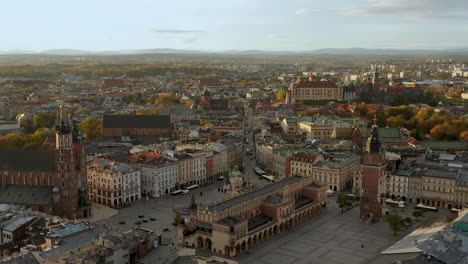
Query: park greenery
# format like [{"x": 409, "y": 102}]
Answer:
[
  {"x": 90, "y": 127},
  {"x": 439, "y": 124},
  {"x": 21, "y": 140}
]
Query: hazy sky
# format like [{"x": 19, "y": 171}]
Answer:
[{"x": 232, "y": 24}]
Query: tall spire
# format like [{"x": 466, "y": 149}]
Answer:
[
  {"x": 63, "y": 124},
  {"x": 373, "y": 142}
]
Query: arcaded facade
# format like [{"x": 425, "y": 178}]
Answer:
[{"x": 235, "y": 225}]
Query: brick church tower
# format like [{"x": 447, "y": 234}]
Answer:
[
  {"x": 71, "y": 167},
  {"x": 373, "y": 179}
]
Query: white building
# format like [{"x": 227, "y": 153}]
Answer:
[
  {"x": 131, "y": 179},
  {"x": 159, "y": 176}
]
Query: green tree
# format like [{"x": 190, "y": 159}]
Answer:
[
  {"x": 408, "y": 220},
  {"x": 417, "y": 214},
  {"x": 342, "y": 201},
  {"x": 91, "y": 127},
  {"x": 45, "y": 120},
  {"x": 395, "y": 221}
]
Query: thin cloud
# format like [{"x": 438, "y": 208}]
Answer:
[
  {"x": 305, "y": 11},
  {"x": 174, "y": 31},
  {"x": 274, "y": 36},
  {"x": 190, "y": 40},
  {"x": 413, "y": 9}
]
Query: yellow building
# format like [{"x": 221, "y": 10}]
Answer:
[
  {"x": 438, "y": 187},
  {"x": 313, "y": 89}
]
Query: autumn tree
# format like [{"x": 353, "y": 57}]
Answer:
[
  {"x": 91, "y": 127},
  {"x": 166, "y": 99},
  {"x": 281, "y": 95}
]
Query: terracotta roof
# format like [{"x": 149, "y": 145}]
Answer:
[{"x": 314, "y": 84}]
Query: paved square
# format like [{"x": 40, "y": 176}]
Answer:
[
  {"x": 331, "y": 237},
  {"x": 342, "y": 257},
  {"x": 278, "y": 258},
  {"x": 295, "y": 246}
]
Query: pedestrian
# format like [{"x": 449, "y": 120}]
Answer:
[{"x": 362, "y": 245}]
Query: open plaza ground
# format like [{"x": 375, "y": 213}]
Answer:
[{"x": 330, "y": 237}]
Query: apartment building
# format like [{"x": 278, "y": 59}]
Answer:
[
  {"x": 159, "y": 175},
  {"x": 335, "y": 173},
  {"x": 438, "y": 187},
  {"x": 192, "y": 167},
  {"x": 113, "y": 183},
  {"x": 461, "y": 190}
]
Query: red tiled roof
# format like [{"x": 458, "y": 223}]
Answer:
[{"x": 315, "y": 84}]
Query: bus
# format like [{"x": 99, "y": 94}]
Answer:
[
  {"x": 259, "y": 172},
  {"x": 400, "y": 204},
  {"x": 177, "y": 192},
  {"x": 268, "y": 178},
  {"x": 193, "y": 187},
  {"x": 427, "y": 208}
]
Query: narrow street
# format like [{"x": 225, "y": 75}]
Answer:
[{"x": 249, "y": 160}]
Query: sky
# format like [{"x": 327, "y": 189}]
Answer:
[{"x": 218, "y": 25}]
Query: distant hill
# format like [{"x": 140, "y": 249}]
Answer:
[{"x": 331, "y": 51}]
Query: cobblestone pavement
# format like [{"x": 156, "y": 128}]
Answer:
[
  {"x": 330, "y": 237},
  {"x": 162, "y": 209}
]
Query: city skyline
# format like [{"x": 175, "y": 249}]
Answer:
[{"x": 235, "y": 25}]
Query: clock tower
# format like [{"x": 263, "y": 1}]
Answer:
[{"x": 373, "y": 178}]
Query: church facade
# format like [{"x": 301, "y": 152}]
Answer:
[{"x": 51, "y": 181}]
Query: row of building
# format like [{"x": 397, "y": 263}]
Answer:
[{"x": 147, "y": 173}]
